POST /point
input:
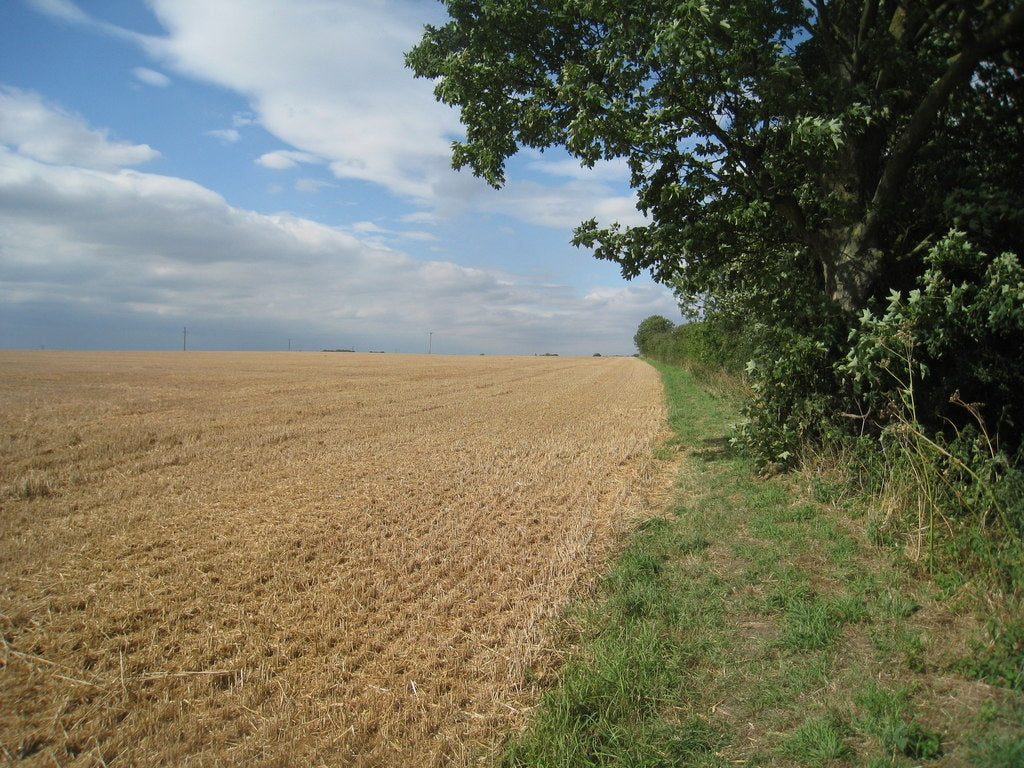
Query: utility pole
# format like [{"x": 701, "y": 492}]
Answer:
[
  {"x": 430, "y": 345},
  {"x": 289, "y": 345},
  {"x": 184, "y": 337}
]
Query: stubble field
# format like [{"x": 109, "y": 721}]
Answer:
[{"x": 299, "y": 558}]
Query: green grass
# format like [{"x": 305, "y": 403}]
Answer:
[
  {"x": 818, "y": 741},
  {"x": 755, "y": 622}
]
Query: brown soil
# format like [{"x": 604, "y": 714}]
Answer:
[{"x": 299, "y": 558}]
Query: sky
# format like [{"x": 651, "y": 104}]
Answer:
[{"x": 269, "y": 175}]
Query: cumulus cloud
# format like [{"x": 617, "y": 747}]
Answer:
[
  {"x": 45, "y": 132},
  {"x": 243, "y": 119},
  {"x": 312, "y": 185},
  {"x": 319, "y": 82},
  {"x": 567, "y": 205},
  {"x": 570, "y": 167},
  {"x": 61, "y": 9},
  {"x": 172, "y": 245},
  {"x": 419, "y": 235},
  {"x": 144, "y": 246},
  {"x": 68, "y": 12}
]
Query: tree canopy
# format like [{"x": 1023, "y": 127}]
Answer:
[
  {"x": 650, "y": 328},
  {"x": 825, "y": 144}
]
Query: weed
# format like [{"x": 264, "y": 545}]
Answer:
[
  {"x": 882, "y": 706},
  {"x": 917, "y": 741},
  {"x": 911, "y": 646},
  {"x": 810, "y": 674},
  {"x": 895, "y": 604},
  {"x": 638, "y": 587},
  {"x": 608, "y": 703},
  {"x": 842, "y": 547},
  {"x": 808, "y": 625}
]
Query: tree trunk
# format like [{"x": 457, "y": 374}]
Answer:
[
  {"x": 857, "y": 269},
  {"x": 850, "y": 258}
]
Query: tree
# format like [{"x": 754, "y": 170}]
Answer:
[
  {"x": 649, "y": 331},
  {"x": 773, "y": 145}
]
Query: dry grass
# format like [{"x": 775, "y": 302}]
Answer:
[{"x": 298, "y": 559}]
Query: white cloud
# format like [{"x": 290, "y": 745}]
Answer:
[
  {"x": 420, "y": 217},
  {"x": 563, "y": 206},
  {"x": 606, "y": 170},
  {"x": 51, "y": 135},
  {"x": 366, "y": 227},
  {"x": 151, "y": 77},
  {"x": 327, "y": 78},
  {"x": 319, "y": 81},
  {"x": 283, "y": 159},
  {"x": 419, "y": 236},
  {"x": 68, "y": 12},
  {"x": 172, "y": 243},
  {"x": 79, "y": 228},
  {"x": 227, "y": 135}
]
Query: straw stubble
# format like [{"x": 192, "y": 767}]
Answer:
[{"x": 299, "y": 559}]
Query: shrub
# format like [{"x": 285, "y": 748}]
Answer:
[
  {"x": 951, "y": 350},
  {"x": 907, "y": 371}
]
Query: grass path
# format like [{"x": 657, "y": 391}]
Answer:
[{"x": 751, "y": 624}]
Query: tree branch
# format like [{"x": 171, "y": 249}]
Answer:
[
  {"x": 958, "y": 73},
  {"x": 867, "y": 21}
]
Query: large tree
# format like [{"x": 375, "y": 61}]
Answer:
[{"x": 803, "y": 151}]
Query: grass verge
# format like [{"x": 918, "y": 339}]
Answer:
[{"x": 750, "y": 624}]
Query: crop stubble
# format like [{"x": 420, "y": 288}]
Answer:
[{"x": 299, "y": 559}]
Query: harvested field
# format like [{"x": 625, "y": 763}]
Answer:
[{"x": 299, "y": 558}]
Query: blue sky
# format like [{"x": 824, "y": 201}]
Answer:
[{"x": 266, "y": 173}]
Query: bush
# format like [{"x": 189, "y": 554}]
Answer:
[
  {"x": 792, "y": 381},
  {"x": 950, "y": 351},
  {"x": 907, "y": 371}
]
